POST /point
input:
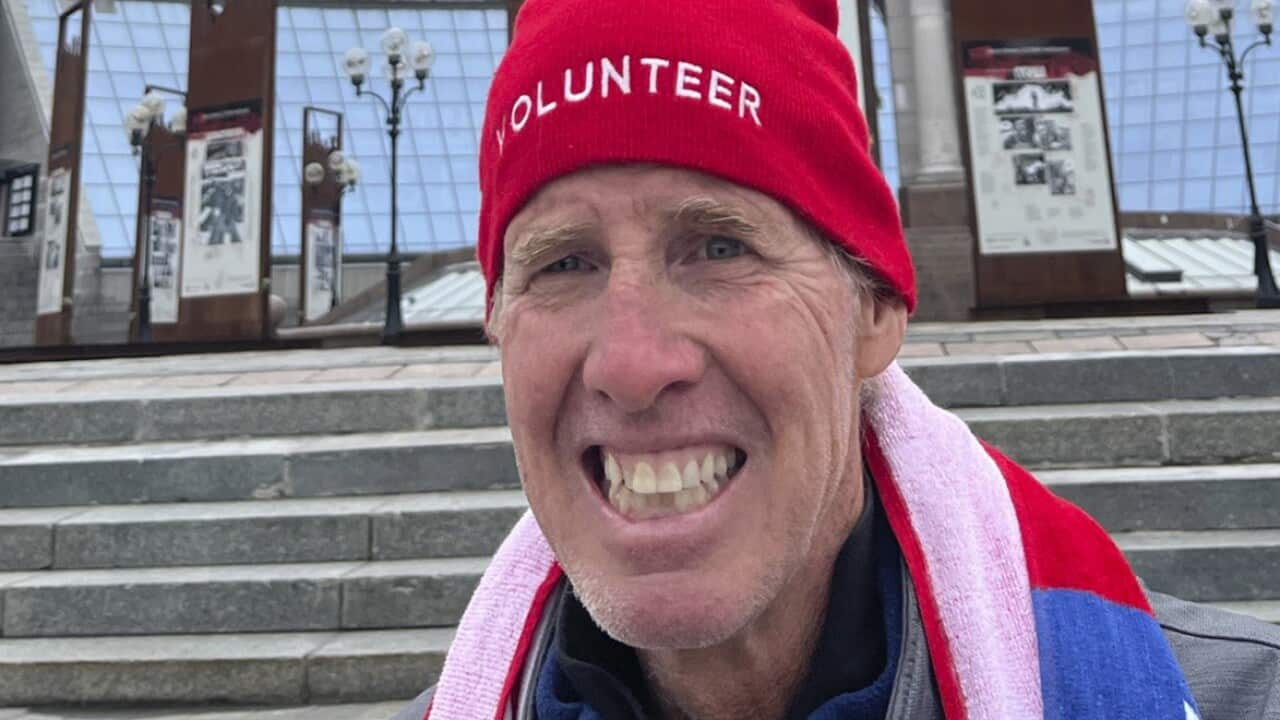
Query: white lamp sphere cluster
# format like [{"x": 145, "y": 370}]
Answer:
[
  {"x": 149, "y": 111},
  {"x": 1213, "y": 16},
  {"x": 401, "y": 57},
  {"x": 345, "y": 170}
]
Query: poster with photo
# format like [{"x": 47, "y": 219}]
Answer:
[
  {"x": 1037, "y": 147},
  {"x": 165, "y": 245},
  {"x": 1030, "y": 169},
  {"x": 1032, "y": 132},
  {"x": 323, "y": 253},
  {"x": 223, "y": 220},
  {"x": 53, "y": 245}
]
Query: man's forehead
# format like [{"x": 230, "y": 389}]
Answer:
[{"x": 651, "y": 193}]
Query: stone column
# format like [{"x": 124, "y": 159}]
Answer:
[
  {"x": 934, "y": 197},
  {"x": 937, "y": 121}
]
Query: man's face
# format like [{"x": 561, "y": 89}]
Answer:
[{"x": 681, "y": 368}]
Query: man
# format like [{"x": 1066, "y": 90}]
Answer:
[{"x": 698, "y": 284}]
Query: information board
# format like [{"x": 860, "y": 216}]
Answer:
[
  {"x": 223, "y": 195},
  {"x": 1037, "y": 147}
]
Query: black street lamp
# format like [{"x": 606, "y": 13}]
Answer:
[
  {"x": 1213, "y": 17},
  {"x": 138, "y": 124},
  {"x": 420, "y": 58}
]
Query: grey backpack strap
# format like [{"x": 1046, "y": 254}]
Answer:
[
  {"x": 417, "y": 709},
  {"x": 538, "y": 649}
]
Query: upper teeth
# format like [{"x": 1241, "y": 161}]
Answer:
[
  {"x": 652, "y": 485},
  {"x": 669, "y": 472}
]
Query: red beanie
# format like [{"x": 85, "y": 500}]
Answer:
[{"x": 758, "y": 92}]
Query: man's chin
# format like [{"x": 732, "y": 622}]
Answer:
[
  {"x": 659, "y": 631},
  {"x": 652, "y": 618}
]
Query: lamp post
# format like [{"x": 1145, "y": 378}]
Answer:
[
  {"x": 1214, "y": 17},
  {"x": 345, "y": 173},
  {"x": 149, "y": 113},
  {"x": 400, "y": 58}
]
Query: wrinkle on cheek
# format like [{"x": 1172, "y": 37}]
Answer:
[
  {"x": 813, "y": 303},
  {"x": 811, "y": 310},
  {"x": 821, "y": 308}
]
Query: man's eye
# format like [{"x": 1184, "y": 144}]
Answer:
[
  {"x": 724, "y": 248},
  {"x": 570, "y": 263}
]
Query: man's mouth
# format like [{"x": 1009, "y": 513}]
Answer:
[{"x": 643, "y": 486}]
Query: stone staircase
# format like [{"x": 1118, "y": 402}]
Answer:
[{"x": 315, "y": 543}]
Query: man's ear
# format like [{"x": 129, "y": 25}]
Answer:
[{"x": 882, "y": 327}]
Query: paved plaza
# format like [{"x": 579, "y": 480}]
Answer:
[{"x": 924, "y": 340}]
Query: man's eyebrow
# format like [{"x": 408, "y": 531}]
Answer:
[
  {"x": 709, "y": 214},
  {"x": 538, "y": 243}
]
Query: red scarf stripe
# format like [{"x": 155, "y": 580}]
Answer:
[
  {"x": 540, "y": 598},
  {"x": 1065, "y": 548}
]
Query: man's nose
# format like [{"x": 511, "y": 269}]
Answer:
[{"x": 637, "y": 352}]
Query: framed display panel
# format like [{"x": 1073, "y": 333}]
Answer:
[
  {"x": 226, "y": 232},
  {"x": 57, "y": 263},
  {"x": 161, "y": 236},
  {"x": 1036, "y": 148},
  {"x": 320, "y": 266},
  {"x": 21, "y": 201}
]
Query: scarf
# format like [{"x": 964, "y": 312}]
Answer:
[{"x": 1029, "y": 609}]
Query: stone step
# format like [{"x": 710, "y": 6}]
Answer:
[
  {"x": 1222, "y": 565},
  {"x": 377, "y": 527},
  {"x": 151, "y": 409},
  {"x": 158, "y": 413},
  {"x": 1063, "y": 378},
  {"x": 1174, "y": 432},
  {"x": 1208, "y": 566},
  {"x": 473, "y": 523},
  {"x": 280, "y": 669},
  {"x": 211, "y": 471},
  {"x": 1195, "y": 497},
  {"x": 239, "y": 598},
  {"x": 265, "y": 669},
  {"x": 296, "y": 364},
  {"x": 1103, "y": 435},
  {"x": 1106, "y": 434}
]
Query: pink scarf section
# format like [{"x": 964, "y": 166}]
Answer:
[
  {"x": 484, "y": 649},
  {"x": 958, "y": 507}
]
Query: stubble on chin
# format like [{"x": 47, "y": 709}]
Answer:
[{"x": 685, "y": 624}]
